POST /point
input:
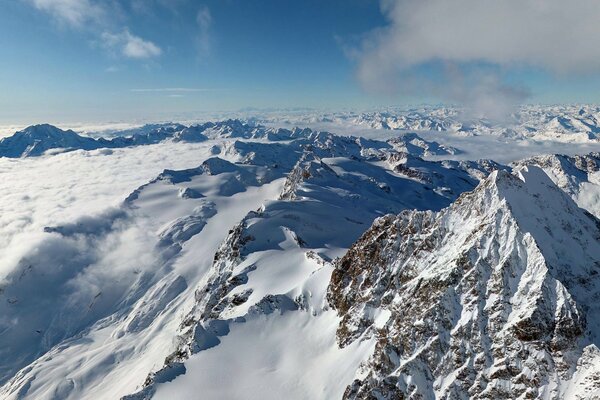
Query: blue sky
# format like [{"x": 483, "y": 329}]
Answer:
[
  {"x": 251, "y": 54},
  {"x": 119, "y": 59}
]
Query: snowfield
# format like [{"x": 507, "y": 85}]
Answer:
[{"x": 408, "y": 253}]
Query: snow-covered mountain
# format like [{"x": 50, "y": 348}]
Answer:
[
  {"x": 578, "y": 175},
  {"x": 39, "y": 139},
  {"x": 414, "y": 144},
  {"x": 195, "y": 252},
  {"x": 567, "y": 124},
  {"x": 301, "y": 264},
  {"x": 562, "y": 124},
  {"x": 493, "y": 297}
]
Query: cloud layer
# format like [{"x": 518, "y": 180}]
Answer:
[{"x": 553, "y": 35}]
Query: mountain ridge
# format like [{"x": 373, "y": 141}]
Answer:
[{"x": 454, "y": 325}]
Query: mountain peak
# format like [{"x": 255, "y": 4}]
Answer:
[
  {"x": 37, "y": 139},
  {"x": 502, "y": 281},
  {"x": 43, "y": 130}
]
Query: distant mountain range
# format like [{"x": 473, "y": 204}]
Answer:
[
  {"x": 572, "y": 124},
  {"x": 301, "y": 264},
  {"x": 576, "y": 123},
  {"x": 37, "y": 140}
]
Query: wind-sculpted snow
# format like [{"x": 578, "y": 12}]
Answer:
[{"x": 493, "y": 297}]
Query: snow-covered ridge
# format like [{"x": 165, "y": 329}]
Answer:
[
  {"x": 494, "y": 296},
  {"x": 40, "y": 139},
  {"x": 572, "y": 124},
  {"x": 578, "y": 175}
]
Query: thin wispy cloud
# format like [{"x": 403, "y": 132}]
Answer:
[
  {"x": 174, "y": 89},
  {"x": 75, "y": 13},
  {"x": 204, "y": 22},
  {"x": 92, "y": 16},
  {"x": 154, "y": 7},
  {"x": 130, "y": 45}
]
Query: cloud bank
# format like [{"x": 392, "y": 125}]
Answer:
[{"x": 556, "y": 36}]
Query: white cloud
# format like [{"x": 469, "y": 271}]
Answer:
[
  {"x": 41, "y": 195},
  {"x": 130, "y": 45},
  {"x": 136, "y": 47},
  {"x": 71, "y": 12},
  {"x": 555, "y": 35},
  {"x": 91, "y": 15}
]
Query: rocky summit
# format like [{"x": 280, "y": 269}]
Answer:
[{"x": 495, "y": 296}]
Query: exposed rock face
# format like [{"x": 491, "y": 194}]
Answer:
[
  {"x": 320, "y": 183},
  {"x": 494, "y": 297}
]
